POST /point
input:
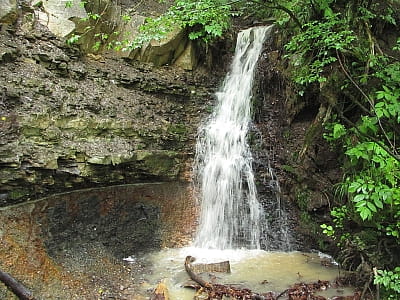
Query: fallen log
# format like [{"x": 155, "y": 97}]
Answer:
[
  {"x": 15, "y": 286},
  {"x": 220, "y": 267},
  {"x": 193, "y": 276}
]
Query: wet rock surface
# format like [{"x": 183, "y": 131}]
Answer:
[
  {"x": 70, "y": 121},
  {"x": 290, "y": 140},
  {"x": 71, "y": 246}
]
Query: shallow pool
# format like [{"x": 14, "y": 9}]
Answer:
[{"x": 258, "y": 270}]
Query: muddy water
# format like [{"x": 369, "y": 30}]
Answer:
[{"x": 257, "y": 270}]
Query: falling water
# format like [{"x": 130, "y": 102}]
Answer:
[{"x": 231, "y": 215}]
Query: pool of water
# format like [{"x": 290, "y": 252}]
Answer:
[{"x": 257, "y": 270}]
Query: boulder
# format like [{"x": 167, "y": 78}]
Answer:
[
  {"x": 8, "y": 11},
  {"x": 188, "y": 59},
  {"x": 164, "y": 51},
  {"x": 93, "y": 30},
  {"x": 56, "y": 15},
  {"x": 128, "y": 31}
]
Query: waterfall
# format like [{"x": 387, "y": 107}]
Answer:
[{"x": 231, "y": 215}]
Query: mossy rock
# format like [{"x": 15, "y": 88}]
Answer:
[{"x": 161, "y": 163}]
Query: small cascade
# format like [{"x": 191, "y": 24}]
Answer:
[
  {"x": 231, "y": 215},
  {"x": 276, "y": 234}
]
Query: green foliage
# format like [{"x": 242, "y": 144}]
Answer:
[
  {"x": 328, "y": 230},
  {"x": 100, "y": 39},
  {"x": 373, "y": 169},
  {"x": 366, "y": 121},
  {"x": 397, "y": 46},
  {"x": 73, "y": 39},
  {"x": 373, "y": 182},
  {"x": 314, "y": 48},
  {"x": 205, "y": 19},
  {"x": 69, "y": 4},
  {"x": 373, "y": 165},
  {"x": 377, "y": 11},
  {"x": 334, "y": 131},
  {"x": 126, "y": 18},
  {"x": 339, "y": 215},
  {"x": 91, "y": 16},
  {"x": 390, "y": 280}
]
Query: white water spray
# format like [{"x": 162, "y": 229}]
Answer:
[{"x": 231, "y": 215}]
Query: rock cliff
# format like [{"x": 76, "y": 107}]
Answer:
[{"x": 71, "y": 120}]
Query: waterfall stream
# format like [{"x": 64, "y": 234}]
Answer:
[
  {"x": 232, "y": 219},
  {"x": 231, "y": 215}
]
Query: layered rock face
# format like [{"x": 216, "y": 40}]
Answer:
[{"x": 70, "y": 120}]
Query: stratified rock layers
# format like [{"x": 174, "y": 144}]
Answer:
[{"x": 69, "y": 121}]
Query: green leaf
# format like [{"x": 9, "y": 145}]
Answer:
[
  {"x": 365, "y": 213},
  {"x": 354, "y": 187},
  {"x": 371, "y": 206},
  {"x": 361, "y": 203},
  {"x": 73, "y": 39},
  {"x": 378, "y": 203},
  {"x": 359, "y": 197},
  {"x": 338, "y": 130}
]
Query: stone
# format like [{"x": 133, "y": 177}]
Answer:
[
  {"x": 188, "y": 59},
  {"x": 164, "y": 51},
  {"x": 57, "y": 17},
  {"x": 118, "y": 158},
  {"x": 162, "y": 163},
  {"x": 161, "y": 292},
  {"x": 91, "y": 31},
  {"x": 8, "y": 55},
  {"x": 8, "y": 11},
  {"x": 129, "y": 30},
  {"x": 100, "y": 160}
]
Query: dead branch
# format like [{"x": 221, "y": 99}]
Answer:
[
  {"x": 218, "y": 291},
  {"x": 15, "y": 286},
  {"x": 193, "y": 276}
]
